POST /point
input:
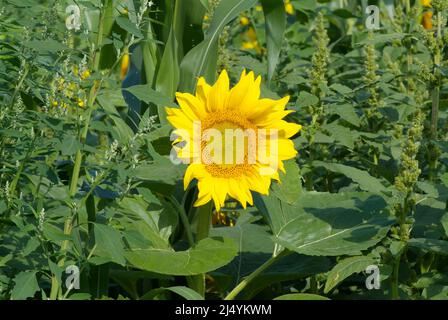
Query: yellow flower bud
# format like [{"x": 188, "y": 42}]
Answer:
[
  {"x": 244, "y": 21},
  {"x": 427, "y": 20},
  {"x": 124, "y": 66},
  {"x": 248, "y": 45}
]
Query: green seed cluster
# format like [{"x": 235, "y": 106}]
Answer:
[{"x": 320, "y": 58}]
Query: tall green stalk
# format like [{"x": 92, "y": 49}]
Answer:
[{"x": 68, "y": 226}]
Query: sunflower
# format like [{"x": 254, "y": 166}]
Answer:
[{"x": 231, "y": 167}]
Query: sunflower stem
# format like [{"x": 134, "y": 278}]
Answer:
[
  {"x": 204, "y": 220},
  {"x": 246, "y": 281}
]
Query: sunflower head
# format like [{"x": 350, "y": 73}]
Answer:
[{"x": 234, "y": 141}]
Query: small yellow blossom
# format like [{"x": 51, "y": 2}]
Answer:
[
  {"x": 244, "y": 21},
  {"x": 85, "y": 74},
  {"x": 81, "y": 103},
  {"x": 425, "y": 3},
  {"x": 289, "y": 7},
  {"x": 248, "y": 45}
]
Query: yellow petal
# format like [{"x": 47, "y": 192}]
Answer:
[{"x": 218, "y": 93}]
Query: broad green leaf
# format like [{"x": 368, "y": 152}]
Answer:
[
  {"x": 290, "y": 186},
  {"x": 428, "y": 216},
  {"x": 209, "y": 254},
  {"x": 4, "y": 260},
  {"x": 255, "y": 247},
  {"x": 153, "y": 219},
  {"x": 202, "y": 59},
  {"x": 184, "y": 292},
  {"x": 46, "y": 46},
  {"x": 162, "y": 170},
  {"x": 346, "y": 112},
  {"x": 306, "y": 99},
  {"x": 324, "y": 224},
  {"x": 444, "y": 179},
  {"x": 431, "y": 278},
  {"x": 346, "y": 268},
  {"x": 275, "y": 24},
  {"x": 305, "y": 5},
  {"x": 436, "y": 292},
  {"x": 432, "y": 245},
  {"x": 148, "y": 95},
  {"x": 70, "y": 144},
  {"x": 124, "y": 132},
  {"x": 341, "y": 134},
  {"x": 25, "y": 285},
  {"x": 382, "y": 38},
  {"x": 344, "y": 90},
  {"x": 444, "y": 221},
  {"x": 363, "y": 178},
  {"x": 108, "y": 244},
  {"x": 301, "y": 296}
]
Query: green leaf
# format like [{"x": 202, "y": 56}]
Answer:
[
  {"x": 341, "y": 134},
  {"x": 444, "y": 179},
  {"x": 344, "y": 90},
  {"x": 69, "y": 145},
  {"x": 46, "y": 46},
  {"x": 301, "y": 296},
  {"x": 275, "y": 24},
  {"x": 124, "y": 132},
  {"x": 209, "y": 254},
  {"x": 153, "y": 220},
  {"x": 163, "y": 170},
  {"x": 168, "y": 75},
  {"x": 202, "y": 59},
  {"x": 255, "y": 247},
  {"x": 325, "y": 224},
  {"x": 108, "y": 244},
  {"x": 4, "y": 260},
  {"x": 129, "y": 26},
  {"x": 25, "y": 285},
  {"x": 363, "y": 178},
  {"x": 346, "y": 112},
  {"x": 306, "y": 99},
  {"x": 432, "y": 245},
  {"x": 382, "y": 38},
  {"x": 148, "y": 95},
  {"x": 185, "y": 292},
  {"x": 290, "y": 186},
  {"x": 444, "y": 222},
  {"x": 346, "y": 268}
]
